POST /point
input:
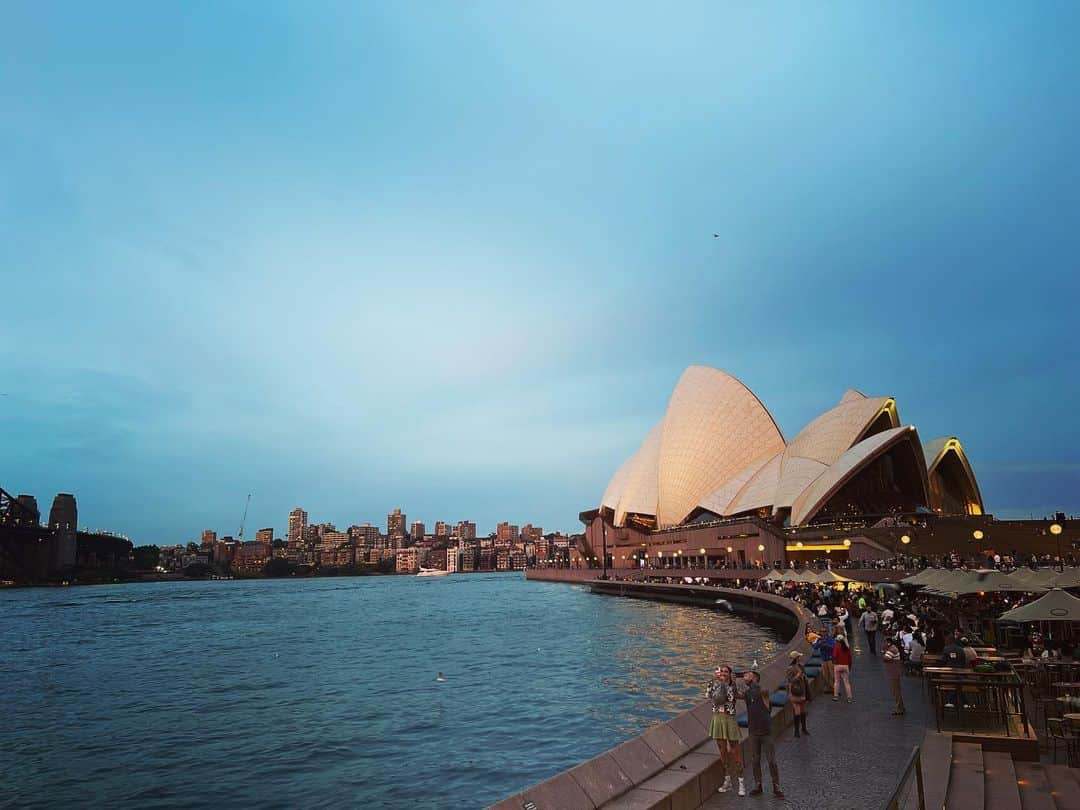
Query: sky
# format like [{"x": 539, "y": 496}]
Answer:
[{"x": 453, "y": 257}]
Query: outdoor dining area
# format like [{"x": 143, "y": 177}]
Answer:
[{"x": 1028, "y": 681}]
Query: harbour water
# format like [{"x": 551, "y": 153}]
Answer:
[{"x": 322, "y": 692}]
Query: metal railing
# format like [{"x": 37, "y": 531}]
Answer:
[{"x": 901, "y": 798}]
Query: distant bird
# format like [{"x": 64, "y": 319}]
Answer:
[{"x": 716, "y": 236}]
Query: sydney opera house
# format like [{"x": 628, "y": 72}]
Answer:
[{"x": 718, "y": 458}]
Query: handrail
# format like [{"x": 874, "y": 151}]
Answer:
[{"x": 914, "y": 763}]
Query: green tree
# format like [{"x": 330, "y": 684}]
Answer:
[
  {"x": 278, "y": 567},
  {"x": 198, "y": 571},
  {"x": 146, "y": 557}
]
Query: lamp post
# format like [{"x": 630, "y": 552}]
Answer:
[
  {"x": 1055, "y": 529},
  {"x": 603, "y": 527}
]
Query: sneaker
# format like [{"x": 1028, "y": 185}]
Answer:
[
  {"x": 778, "y": 793},
  {"x": 950, "y": 706},
  {"x": 850, "y": 700},
  {"x": 757, "y": 791},
  {"x": 742, "y": 787},
  {"x": 835, "y": 697},
  {"x": 724, "y": 788}
]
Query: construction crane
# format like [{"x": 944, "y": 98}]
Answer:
[{"x": 243, "y": 520}]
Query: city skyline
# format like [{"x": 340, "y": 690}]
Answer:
[{"x": 456, "y": 259}]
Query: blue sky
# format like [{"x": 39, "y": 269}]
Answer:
[{"x": 453, "y": 257}]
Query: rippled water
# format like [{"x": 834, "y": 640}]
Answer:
[{"x": 322, "y": 692}]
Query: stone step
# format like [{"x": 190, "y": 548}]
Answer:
[
  {"x": 1064, "y": 786},
  {"x": 1034, "y": 786},
  {"x": 1002, "y": 792},
  {"x": 936, "y": 757},
  {"x": 967, "y": 783}
]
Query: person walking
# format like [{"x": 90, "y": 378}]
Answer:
[
  {"x": 759, "y": 726},
  {"x": 725, "y": 728},
  {"x": 869, "y": 623},
  {"x": 823, "y": 646},
  {"x": 893, "y": 673},
  {"x": 842, "y": 666},
  {"x": 798, "y": 689}
]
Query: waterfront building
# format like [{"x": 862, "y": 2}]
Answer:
[
  {"x": 209, "y": 537},
  {"x": 453, "y": 557},
  {"x": 408, "y": 561},
  {"x": 466, "y": 530},
  {"x": 298, "y": 521},
  {"x": 442, "y": 528},
  {"x": 417, "y": 531},
  {"x": 717, "y": 456},
  {"x": 506, "y": 534}
]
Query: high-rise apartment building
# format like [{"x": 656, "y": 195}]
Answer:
[
  {"x": 417, "y": 531},
  {"x": 366, "y": 535},
  {"x": 209, "y": 537},
  {"x": 506, "y": 533},
  {"x": 466, "y": 530},
  {"x": 264, "y": 536},
  {"x": 530, "y": 533},
  {"x": 297, "y": 524},
  {"x": 442, "y": 528},
  {"x": 395, "y": 527}
]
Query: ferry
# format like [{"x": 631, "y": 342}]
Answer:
[{"x": 433, "y": 572}]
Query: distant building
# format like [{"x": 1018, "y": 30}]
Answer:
[
  {"x": 298, "y": 521},
  {"x": 506, "y": 534},
  {"x": 265, "y": 535},
  {"x": 209, "y": 537},
  {"x": 530, "y": 533},
  {"x": 366, "y": 536},
  {"x": 408, "y": 561},
  {"x": 466, "y": 530},
  {"x": 31, "y": 516},
  {"x": 452, "y": 559},
  {"x": 395, "y": 527},
  {"x": 442, "y": 528},
  {"x": 417, "y": 531}
]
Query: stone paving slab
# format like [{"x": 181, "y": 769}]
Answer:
[{"x": 855, "y": 753}]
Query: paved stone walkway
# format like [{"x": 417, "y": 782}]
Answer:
[{"x": 855, "y": 753}]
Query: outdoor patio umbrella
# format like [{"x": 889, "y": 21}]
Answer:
[
  {"x": 1069, "y": 578},
  {"x": 774, "y": 576},
  {"x": 828, "y": 575},
  {"x": 1055, "y": 606}
]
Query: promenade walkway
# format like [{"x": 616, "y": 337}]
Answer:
[{"x": 855, "y": 753}]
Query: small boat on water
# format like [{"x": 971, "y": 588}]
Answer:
[{"x": 433, "y": 572}]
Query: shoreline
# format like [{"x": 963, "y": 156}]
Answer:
[
  {"x": 605, "y": 777},
  {"x": 181, "y": 578}
]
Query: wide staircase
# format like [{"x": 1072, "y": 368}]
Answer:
[{"x": 964, "y": 776}]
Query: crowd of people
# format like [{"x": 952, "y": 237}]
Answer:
[{"x": 898, "y": 627}]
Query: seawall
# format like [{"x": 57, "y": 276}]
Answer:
[{"x": 611, "y": 774}]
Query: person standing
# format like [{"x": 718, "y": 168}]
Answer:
[
  {"x": 798, "y": 689},
  {"x": 759, "y": 726},
  {"x": 893, "y": 673},
  {"x": 725, "y": 728},
  {"x": 842, "y": 667},
  {"x": 869, "y": 622},
  {"x": 824, "y": 649}
]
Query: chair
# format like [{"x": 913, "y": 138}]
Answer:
[{"x": 1058, "y": 734}]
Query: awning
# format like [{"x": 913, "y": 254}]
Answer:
[{"x": 1055, "y": 606}]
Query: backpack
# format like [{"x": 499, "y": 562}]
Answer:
[{"x": 796, "y": 688}]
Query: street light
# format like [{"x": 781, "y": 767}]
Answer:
[
  {"x": 1055, "y": 529},
  {"x": 603, "y": 526},
  {"x": 977, "y": 534},
  {"x": 905, "y": 539},
  {"x": 847, "y": 543}
]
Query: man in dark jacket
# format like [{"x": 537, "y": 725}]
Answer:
[{"x": 759, "y": 726}]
